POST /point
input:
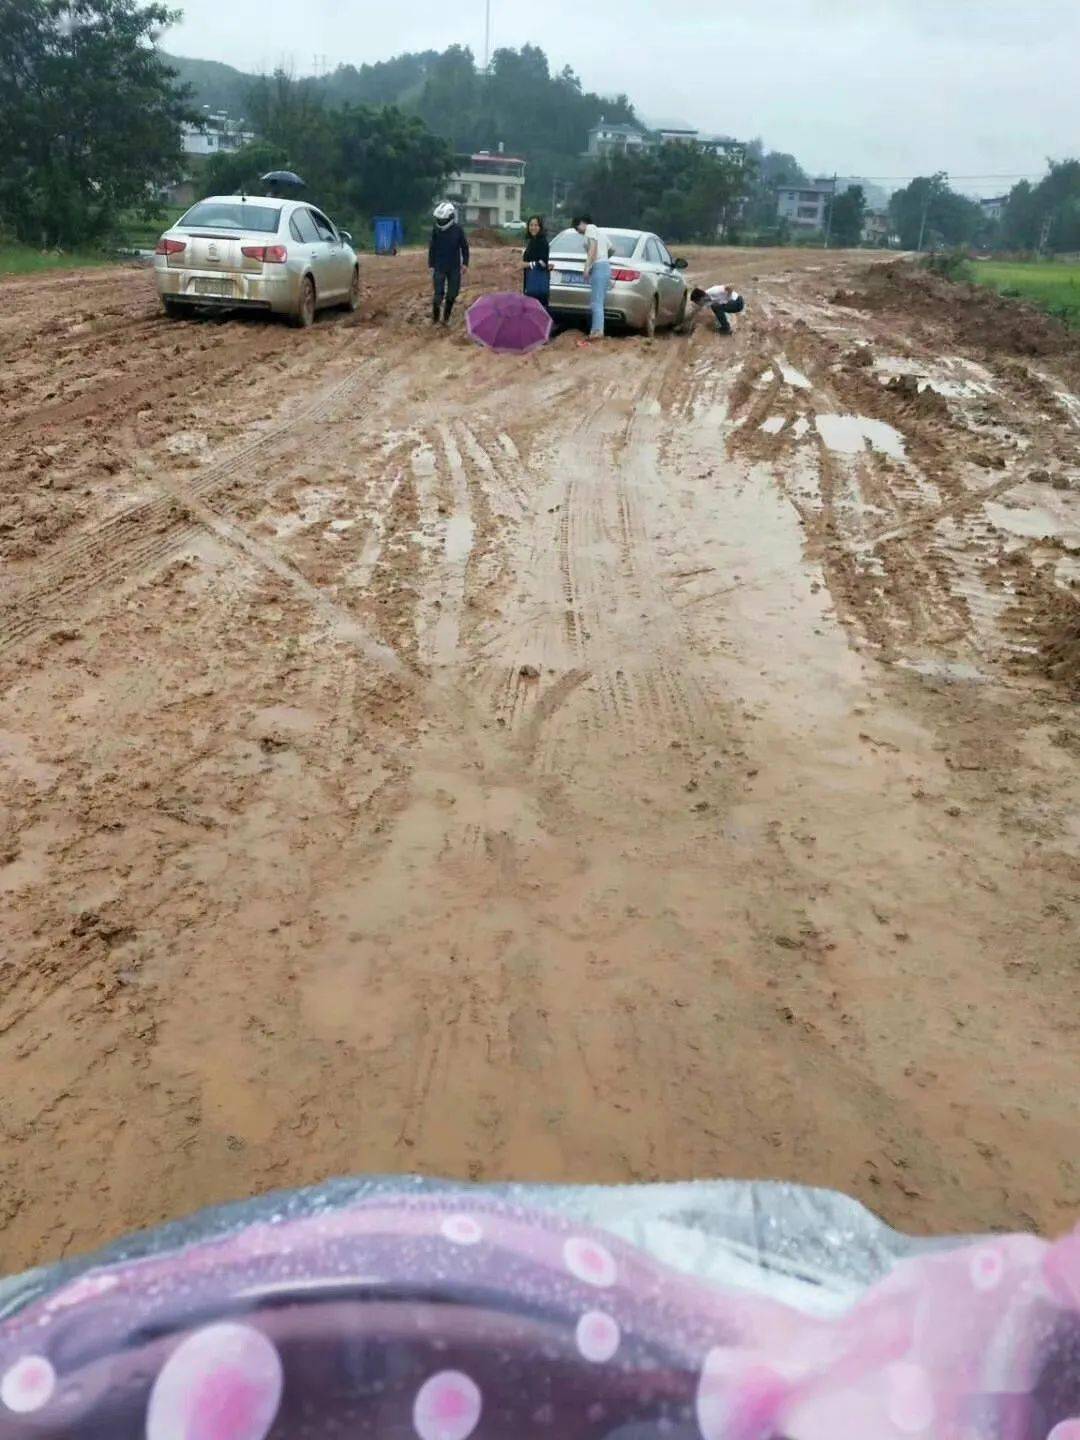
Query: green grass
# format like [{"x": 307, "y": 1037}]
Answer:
[
  {"x": 133, "y": 233},
  {"x": 1053, "y": 285},
  {"x": 25, "y": 260}
]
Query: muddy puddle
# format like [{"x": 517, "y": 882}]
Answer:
[{"x": 851, "y": 434}]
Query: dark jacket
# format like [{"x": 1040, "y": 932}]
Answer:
[
  {"x": 537, "y": 249},
  {"x": 449, "y": 248}
]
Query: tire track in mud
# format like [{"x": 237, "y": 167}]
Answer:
[
  {"x": 126, "y": 390},
  {"x": 565, "y": 676},
  {"x": 149, "y": 531},
  {"x": 909, "y": 551}
]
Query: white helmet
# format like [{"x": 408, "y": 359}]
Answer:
[{"x": 445, "y": 214}]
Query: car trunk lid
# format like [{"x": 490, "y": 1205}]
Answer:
[
  {"x": 567, "y": 269},
  {"x": 212, "y": 251}
]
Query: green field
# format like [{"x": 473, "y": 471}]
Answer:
[
  {"x": 1053, "y": 285},
  {"x": 132, "y": 233},
  {"x": 26, "y": 260}
]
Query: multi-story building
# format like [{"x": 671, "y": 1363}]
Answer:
[
  {"x": 876, "y": 229},
  {"x": 607, "y": 138},
  {"x": 805, "y": 207},
  {"x": 994, "y": 208},
  {"x": 217, "y": 133},
  {"x": 487, "y": 188},
  {"x": 724, "y": 147},
  {"x": 677, "y": 135}
]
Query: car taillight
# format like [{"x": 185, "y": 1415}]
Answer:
[
  {"x": 170, "y": 247},
  {"x": 626, "y": 274},
  {"x": 268, "y": 254}
]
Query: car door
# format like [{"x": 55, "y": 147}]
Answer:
[
  {"x": 338, "y": 267},
  {"x": 302, "y": 226},
  {"x": 650, "y": 251},
  {"x": 672, "y": 284}
]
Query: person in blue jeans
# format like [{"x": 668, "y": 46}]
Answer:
[{"x": 598, "y": 250}]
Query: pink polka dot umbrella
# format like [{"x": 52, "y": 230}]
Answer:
[{"x": 508, "y": 323}]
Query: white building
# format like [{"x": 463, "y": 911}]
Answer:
[
  {"x": 724, "y": 147},
  {"x": 216, "y": 134},
  {"x": 487, "y": 188},
  {"x": 677, "y": 135},
  {"x": 994, "y": 207},
  {"x": 608, "y": 138},
  {"x": 877, "y": 229},
  {"x": 804, "y": 207}
]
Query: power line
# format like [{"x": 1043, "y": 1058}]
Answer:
[{"x": 1012, "y": 175}]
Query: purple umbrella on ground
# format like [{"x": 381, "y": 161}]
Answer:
[{"x": 509, "y": 323}]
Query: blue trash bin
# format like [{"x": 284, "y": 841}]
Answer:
[{"x": 389, "y": 233}]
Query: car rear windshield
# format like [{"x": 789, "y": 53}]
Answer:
[
  {"x": 231, "y": 215},
  {"x": 569, "y": 242}
]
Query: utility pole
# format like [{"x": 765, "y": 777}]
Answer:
[
  {"x": 925, "y": 212},
  {"x": 828, "y": 218},
  {"x": 1044, "y": 234},
  {"x": 487, "y": 35}
]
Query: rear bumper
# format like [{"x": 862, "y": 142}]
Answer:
[
  {"x": 622, "y": 305},
  {"x": 249, "y": 291}
]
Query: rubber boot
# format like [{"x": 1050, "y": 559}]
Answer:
[
  {"x": 434, "y": 312},
  {"x": 447, "y": 309}
]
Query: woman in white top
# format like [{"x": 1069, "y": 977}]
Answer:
[{"x": 598, "y": 250}]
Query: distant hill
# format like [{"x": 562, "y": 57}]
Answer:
[
  {"x": 388, "y": 82},
  {"x": 520, "y": 103},
  {"x": 218, "y": 86}
]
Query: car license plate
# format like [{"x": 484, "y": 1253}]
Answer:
[
  {"x": 571, "y": 277},
  {"x": 213, "y": 287}
]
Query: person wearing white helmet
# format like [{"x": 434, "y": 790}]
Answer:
[{"x": 448, "y": 260}]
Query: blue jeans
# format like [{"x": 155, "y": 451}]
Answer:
[{"x": 599, "y": 285}]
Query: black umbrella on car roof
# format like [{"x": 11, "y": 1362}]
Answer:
[{"x": 283, "y": 180}]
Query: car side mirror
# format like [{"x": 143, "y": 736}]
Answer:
[
  {"x": 680, "y": 263},
  {"x": 346, "y": 236}
]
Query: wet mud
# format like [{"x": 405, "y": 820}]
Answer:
[{"x": 650, "y": 761}]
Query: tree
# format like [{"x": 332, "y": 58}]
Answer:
[
  {"x": 679, "y": 191},
  {"x": 767, "y": 171},
  {"x": 388, "y": 161},
  {"x": 357, "y": 161},
  {"x": 929, "y": 212},
  {"x": 237, "y": 172},
  {"x": 450, "y": 100},
  {"x": 90, "y": 116},
  {"x": 1045, "y": 216},
  {"x": 847, "y": 216}
]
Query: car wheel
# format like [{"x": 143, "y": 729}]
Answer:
[
  {"x": 173, "y": 309},
  {"x": 650, "y": 323},
  {"x": 680, "y": 319},
  {"x": 304, "y": 314},
  {"x": 353, "y": 302}
]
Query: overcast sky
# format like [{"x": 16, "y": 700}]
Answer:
[{"x": 867, "y": 87}]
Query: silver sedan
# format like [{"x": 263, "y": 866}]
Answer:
[
  {"x": 647, "y": 285},
  {"x": 232, "y": 252}
]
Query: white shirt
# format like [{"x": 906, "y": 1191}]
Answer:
[
  {"x": 721, "y": 294},
  {"x": 603, "y": 244}
]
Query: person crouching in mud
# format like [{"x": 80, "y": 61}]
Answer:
[
  {"x": 722, "y": 300},
  {"x": 448, "y": 261}
]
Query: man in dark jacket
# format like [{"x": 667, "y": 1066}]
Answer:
[{"x": 448, "y": 260}]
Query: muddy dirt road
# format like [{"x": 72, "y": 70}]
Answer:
[{"x": 648, "y": 762}]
